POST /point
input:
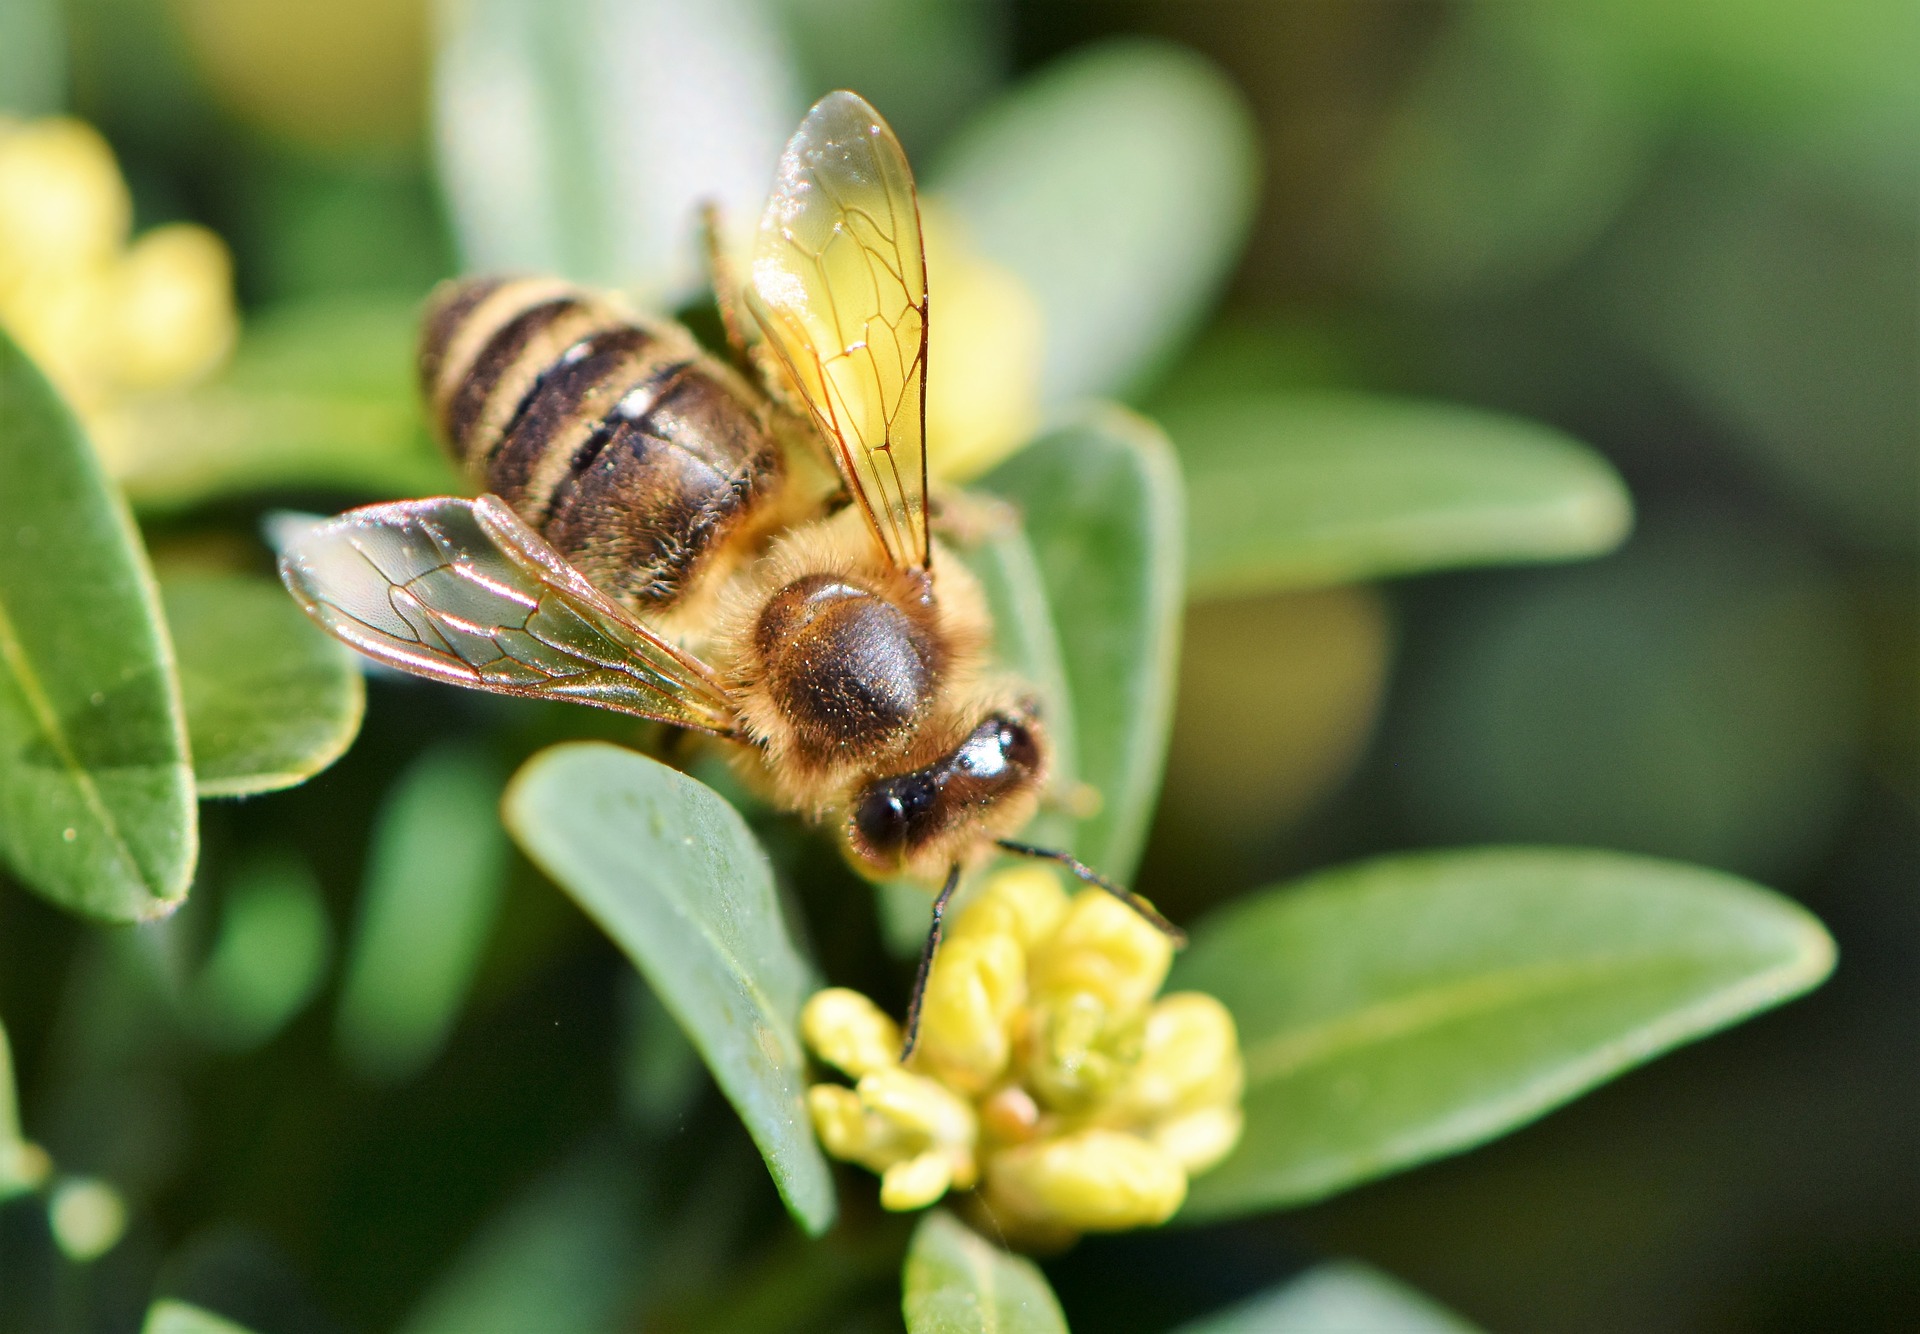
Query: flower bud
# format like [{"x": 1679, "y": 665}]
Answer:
[
  {"x": 977, "y": 983},
  {"x": 1009, "y": 1115},
  {"x": 1078, "y": 1050},
  {"x": 1189, "y": 1058},
  {"x": 1103, "y": 947},
  {"x": 917, "y": 1182},
  {"x": 893, "y": 1119},
  {"x": 1089, "y": 1181},
  {"x": 1024, "y": 902},
  {"x": 63, "y": 205},
  {"x": 840, "y": 1120},
  {"x": 919, "y": 1108},
  {"x": 173, "y": 304},
  {"x": 849, "y": 1032},
  {"x": 1199, "y": 1140},
  {"x": 988, "y": 342}
]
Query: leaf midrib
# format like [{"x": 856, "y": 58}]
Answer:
[
  {"x": 1286, "y": 1054},
  {"x": 14, "y": 654}
]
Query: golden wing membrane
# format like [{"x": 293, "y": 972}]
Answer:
[
  {"x": 462, "y": 591},
  {"x": 840, "y": 289}
]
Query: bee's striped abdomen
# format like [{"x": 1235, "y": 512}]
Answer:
[{"x": 632, "y": 451}]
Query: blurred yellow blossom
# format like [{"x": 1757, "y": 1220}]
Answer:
[
  {"x": 1047, "y": 1075},
  {"x": 104, "y": 317},
  {"x": 983, "y": 354}
]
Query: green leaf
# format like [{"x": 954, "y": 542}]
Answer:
[
  {"x": 33, "y": 57},
  {"x": 433, "y": 888},
  {"x": 670, "y": 871},
  {"x": 1119, "y": 184},
  {"x": 1103, "y": 509},
  {"x": 1339, "y": 1298},
  {"x": 1302, "y": 489},
  {"x": 319, "y": 394},
  {"x": 270, "y": 701},
  {"x": 558, "y": 155},
  {"x": 1026, "y": 644},
  {"x": 564, "y": 1257},
  {"x": 96, "y": 794},
  {"x": 23, "y": 1165},
  {"x": 956, "y": 1282},
  {"x": 172, "y": 1317},
  {"x": 269, "y": 958},
  {"x": 1414, "y": 1006}
]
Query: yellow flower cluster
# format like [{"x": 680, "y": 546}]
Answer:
[
  {"x": 104, "y": 314},
  {"x": 1047, "y": 1076}
]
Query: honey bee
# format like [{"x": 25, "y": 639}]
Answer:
[{"x": 646, "y": 545}]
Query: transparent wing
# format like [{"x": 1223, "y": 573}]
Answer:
[
  {"x": 840, "y": 287},
  {"x": 463, "y": 591}
]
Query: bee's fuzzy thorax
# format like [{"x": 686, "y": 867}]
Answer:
[{"x": 840, "y": 663}]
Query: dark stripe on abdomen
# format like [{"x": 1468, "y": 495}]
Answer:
[
  {"x": 565, "y": 406},
  {"x": 644, "y": 510},
  {"x": 447, "y": 311}
]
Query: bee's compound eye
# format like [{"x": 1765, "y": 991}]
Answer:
[
  {"x": 1019, "y": 745},
  {"x": 890, "y": 812}
]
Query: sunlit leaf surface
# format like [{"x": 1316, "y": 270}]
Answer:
[
  {"x": 433, "y": 885},
  {"x": 957, "y": 1282},
  {"x": 1119, "y": 185},
  {"x": 96, "y": 793},
  {"x": 270, "y": 701},
  {"x": 1102, "y": 502},
  {"x": 1339, "y": 1298},
  {"x": 670, "y": 871},
  {"x": 571, "y": 142},
  {"x": 1413, "y": 1006},
  {"x": 1296, "y": 490}
]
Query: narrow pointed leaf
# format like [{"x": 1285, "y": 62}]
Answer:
[
  {"x": 270, "y": 700},
  {"x": 1118, "y": 184},
  {"x": 957, "y": 1282},
  {"x": 1305, "y": 489},
  {"x": 174, "y": 1317},
  {"x": 1026, "y": 645},
  {"x": 564, "y": 1256},
  {"x": 433, "y": 888},
  {"x": 96, "y": 792},
  {"x": 1410, "y": 1007},
  {"x": 269, "y": 958},
  {"x": 1103, "y": 509},
  {"x": 23, "y": 1165},
  {"x": 571, "y": 142},
  {"x": 671, "y": 872},
  {"x": 1339, "y": 1298}
]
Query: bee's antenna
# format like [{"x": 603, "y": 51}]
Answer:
[
  {"x": 1094, "y": 878},
  {"x": 926, "y": 962}
]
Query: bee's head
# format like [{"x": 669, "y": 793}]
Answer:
[{"x": 986, "y": 787}]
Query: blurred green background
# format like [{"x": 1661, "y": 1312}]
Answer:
[{"x": 1685, "y": 233}]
